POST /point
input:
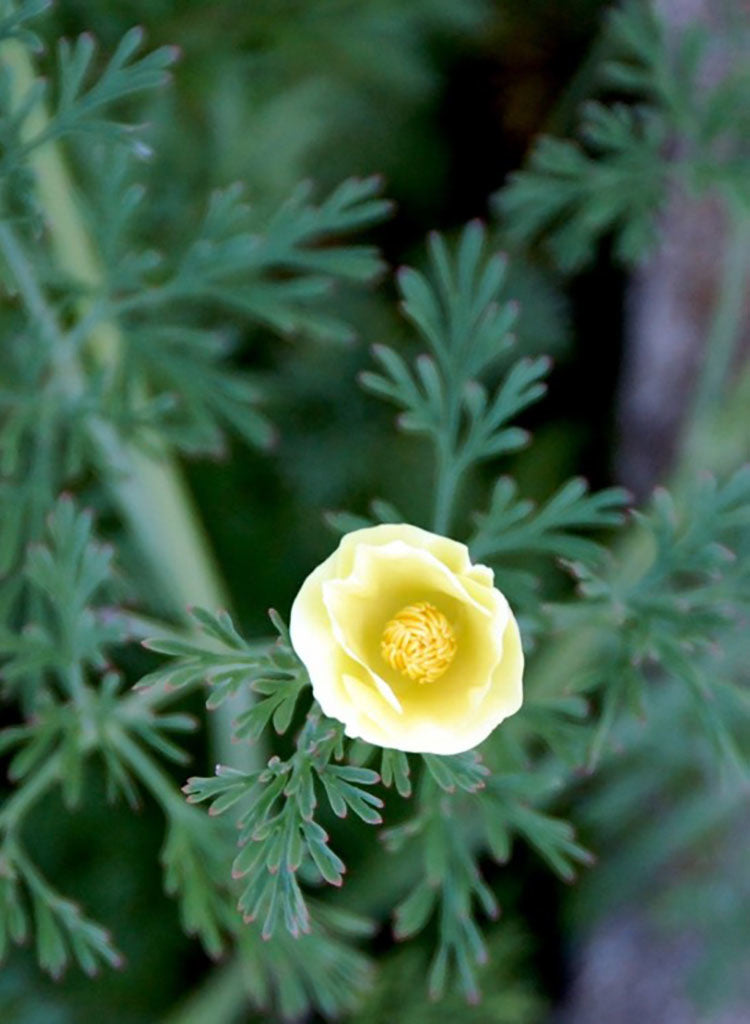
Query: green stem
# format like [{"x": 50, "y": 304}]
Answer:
[
  {"x": 158, "y": 783},
  {"x": 565, "y": 658},
  {"x": 221, "y": 999},
  {"x": 445, "y": 493},
  {"x": 143, "y": 627},
  {"x": 448, "y": 470},
  {"x": 25, "y": 796},
  {"x": 148, "y": 487},
  {"x": 724, "y": 329}
]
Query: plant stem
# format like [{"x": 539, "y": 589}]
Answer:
[
  {"x": 448, "y": 472},
  {"x": 151, "y": 775},
  {"x": 564, "y": 659},
  {"x": 33, "y": 789},
  {"x": 148, "y": 487},
  {"x": 724, "y": 328},
  {"x": 445, "y": 494},
  {"x": 221, "y": 999}
]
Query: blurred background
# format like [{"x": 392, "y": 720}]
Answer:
[{"x": 444, "y": 99}]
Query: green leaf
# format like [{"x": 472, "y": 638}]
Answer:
[
  {"x": 394, "y": 770},
  {"x": 458, "y": 771},
  {"x": 62, "y": 933},
  {"x": 195, "y": 872}
]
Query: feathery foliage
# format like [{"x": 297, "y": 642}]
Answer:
[
  {"x": 75, "y": 708},
  {"x": 465, "y": 328},
  {"x": 682, "y": 862},
  {"x": 156, "y": 326},
  {"x": 113, "y": 349},
  {"x": 78, "y": 711},
  {"x": 680, "y": 596},
  {"x": 683, "y": 128},
  {"x": 117, "y": 354}
]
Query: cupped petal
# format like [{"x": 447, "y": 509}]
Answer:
[
  {"x": 383, "y": 581},
  {"x": 505, "y": 694},
  {"x": 314, "y": 641},
  {"x": 454, "y": 555},
  {"x": 501, "y": 700},
  {"x": 386, "y": 579},
  {"x": 373, "y": 723},
  {"x": 337, "y": 623}
]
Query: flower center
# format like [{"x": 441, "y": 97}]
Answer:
[{"x": 419, "y": 642}]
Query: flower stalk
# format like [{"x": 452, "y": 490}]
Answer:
[
  {"x": 147, "y": 486},
  {"x": 565, "y": 658},
  {"x": 723, "y": 331}
]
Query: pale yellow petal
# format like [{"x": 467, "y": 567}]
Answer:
[
  {"x": 343, "y": 608},
  {"x": 505, "y": 694},
  {"x": 313, "y": 639},
  {"x": 453, "y": 555}
]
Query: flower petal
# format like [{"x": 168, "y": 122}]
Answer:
[
  {"x": 337, "y": 623},
  {"x": 454, "y": 555}
]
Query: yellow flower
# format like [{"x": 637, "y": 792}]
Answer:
[{"x": 407, "y": 643}]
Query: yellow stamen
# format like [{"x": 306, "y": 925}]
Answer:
[{"x": 419, "y": 642}]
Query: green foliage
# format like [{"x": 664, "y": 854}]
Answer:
[
  {"x": 221, "y": 263},
  {"x": 323, "y": 90},
  {"x": 115, "y": 352},
  {"x": 445, "y": 839},
  {"x": 194, "y": 865},
  {"x": 464, "y": 809},
  {"x": 461, "y": 771},
  {"x": 684, "y": 130},
  {"x": 281, "y": 839},
  {"x": 77, "y": 710},
  {"x": 278, "y": 832},
  {"x": 451, "y": 883},
  {"x": 215, "y": 655},
  {"x": 79, "y": 103},
  {"x": 509, "y": 995},
  {"x": 61, "y": 932},
  {"x": 514, "y": 531},
  {"x": 156, "y": 326},
  {"x": 573, "y": 196},
  {"x": 681, "y": 862},
  {"x": 678, "y": 598},
  {"x": 275, "y": 807},
  {"x": 119, "y": 344},
  {"x": 67, "y": 573},
  {"x": 322, "y": 970},
  {"x": 14, "y": 18},
  {"x": 466, "y": 328},
  {"x": 68, "y": 718},
  {"x": 82, "y": 103},
  {"x": 661, "y": 608}
]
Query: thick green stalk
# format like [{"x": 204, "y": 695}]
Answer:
[
  {"x": 25, "y": 796},
  {"x": 446, "y": 488},
  {"x": 723, "y": 332},
  {"x": 565, "y": 658},
  {"x": 150, "y": 774},
  {"x": 221, "y": 998},
  {"x": 149, "y": 488},
  {"x": 448, "y": 471}
]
